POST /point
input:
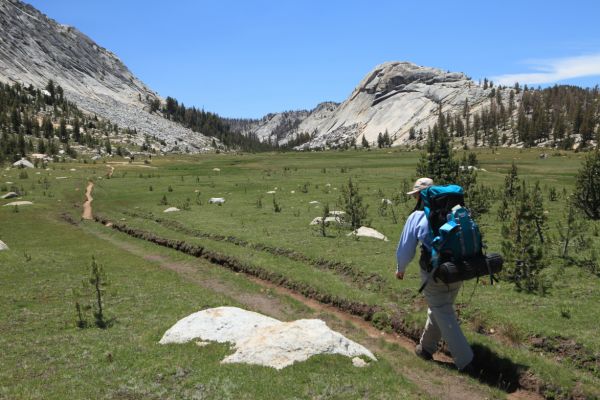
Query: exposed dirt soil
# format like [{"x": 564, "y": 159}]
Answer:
[
  {"x": 87, "y": 205},
  {"x": 562, "y": 348},
  {"x": 191, "y": 272}
]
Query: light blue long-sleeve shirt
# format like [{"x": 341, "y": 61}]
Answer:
[{"x": 416, "y": 229}]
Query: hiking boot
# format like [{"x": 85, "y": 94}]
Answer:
[{"x": 422, "y": 353}]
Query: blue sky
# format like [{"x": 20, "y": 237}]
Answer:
[{"x": 249, "y": 58}]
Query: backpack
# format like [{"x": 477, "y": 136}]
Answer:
[{"x": 457, "y": 249}]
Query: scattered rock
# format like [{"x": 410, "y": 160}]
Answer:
[
  {"x": 3, "y": 246},
  {"x": 23, "y": 163},
  {"x": 19, "y": 203},
  {"x": 328, "y": 220},
  {"x": 262, "y": 340},
  {"x": 368, "y": 232},
  {"x": 180, "y": 372},
  {"x": 171, "y": 209},
  {"x": 386, "y": 201},
  {"x": 10, "y": 195},
  {"x": 313, "y": 202},
  {"x": 337, "y": 212},
  {"x": 271, "y": 192},
  {"x": 359, "y": 362},
  {"x": 216, "y": 200},
  {"x": 216, "y": 169}
]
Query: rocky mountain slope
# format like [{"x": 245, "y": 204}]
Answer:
[
  {"x": 35, "y": 49},
  {"x": 394, "y": 97}
]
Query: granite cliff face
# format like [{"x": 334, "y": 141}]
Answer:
[
  {"x": 35, "y": 49},
  {"x": 394, "y": 97}
]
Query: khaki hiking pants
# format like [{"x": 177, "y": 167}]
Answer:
[{"x": 442, "y": 323}]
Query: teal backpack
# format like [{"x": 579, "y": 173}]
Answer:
[{"x": 456, "y": 239}]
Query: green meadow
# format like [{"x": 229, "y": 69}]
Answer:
[{"x": 546, "y": 344}]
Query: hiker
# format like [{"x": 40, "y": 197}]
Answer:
[{"x": 441, "y": 318}]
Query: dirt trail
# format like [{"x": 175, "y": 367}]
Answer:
[
  {"x": 87, "y": 205},
  {"x": 436, "y": 382}
]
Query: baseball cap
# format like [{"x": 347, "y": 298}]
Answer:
[{"x": 420, "y": 184}]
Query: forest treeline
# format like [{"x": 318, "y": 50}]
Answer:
[
  {"x": 209, "y": 124},
  {"x": 554, "y": 116},
  {"x": 34, "y": 120}
]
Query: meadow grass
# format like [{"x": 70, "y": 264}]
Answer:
[{"x": 498, "y": 316}]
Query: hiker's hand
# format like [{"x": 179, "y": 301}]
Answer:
[{"x": 399, "y": 275}]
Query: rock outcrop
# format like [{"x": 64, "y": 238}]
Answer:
[
  {"x": 394, "y": 97},
  {"x": 35, "y": 49}
]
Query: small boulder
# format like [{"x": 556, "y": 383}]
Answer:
[
  {"x": 19, "y": 203},
  {"x": 171, "y": 209},
  {"x": 23, "y": 163},
  {"x": 10, "y": 195},
  {"x": 368, "y": 232},
  {"x": 3, "y": 246},
  {"x": 216, "y": 200},
  {"x": 359, "y": 362},
  {"x": 337, "y": 213}
]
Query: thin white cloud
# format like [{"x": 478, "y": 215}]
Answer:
[{"x": 549, "y": 71}]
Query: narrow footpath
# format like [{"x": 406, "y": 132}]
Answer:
[{"x": 87, "y": 205}]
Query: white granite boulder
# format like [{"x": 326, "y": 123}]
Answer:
[
  {"x": 263, "y": 340},
  {"x": 19, "y": 203},
  {"x": 364, "y": 231},
  {"x": 10, "y": 195}
]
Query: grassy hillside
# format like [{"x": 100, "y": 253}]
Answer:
[{"x": 544, "y": 343}]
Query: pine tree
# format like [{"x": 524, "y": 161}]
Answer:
[
  {"x": 47, "y": 128},
  {"x": 387, "y": 141},
  {"x": 571, "y": 229},
  {"x": 445, "y": 168},
  {"x": 365, "y": 143},
  {"x": 353, "y": 204},
  {"x": 62, "y": 131},
  {"x": 521, "y": 246},
  {"x": 511, "y": 182},
  {"x": 538, "y": 214},
  {"x": 76, "y": 131},
  {"x": 587, "y": 186}
]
